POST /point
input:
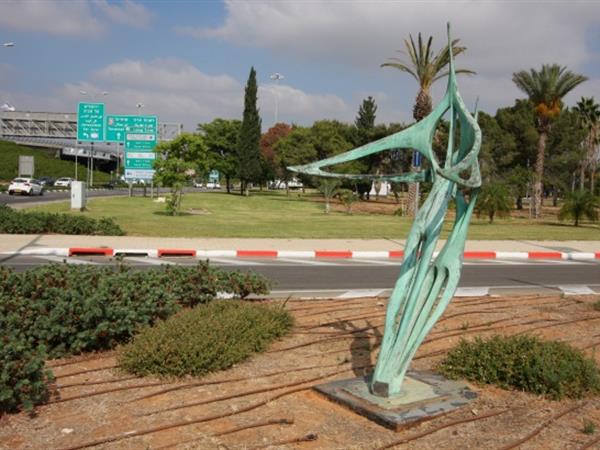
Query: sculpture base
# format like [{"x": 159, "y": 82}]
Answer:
[{"x": 424, "y": 396}]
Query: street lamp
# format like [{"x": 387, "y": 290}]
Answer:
[
  {"x": 276, "y": 77},
  {"x": 139, "y": 107}
]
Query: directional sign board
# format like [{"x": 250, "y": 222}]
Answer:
[
  {"x": 140, "y": 140},
  {"x": 90, "y": 122},
  {"x": 115, "y": 128}
]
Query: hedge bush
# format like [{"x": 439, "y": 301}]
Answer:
[
  {"x": 207, "y": 338},
  {"x": 23, "y": 378},
  {"x": 61, "y": 309},
  {"x": 33, "y": 222},
  {"x": 550, "y": 368}
]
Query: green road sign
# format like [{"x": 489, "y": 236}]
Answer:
[
  {"x": 90, "y": 122},
  {"x": 140, "y": 133},
  {"x": 140, "y": 140},
  {"x": 115, "y": 128}
]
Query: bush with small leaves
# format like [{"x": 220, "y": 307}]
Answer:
[
  {"x": 204, "y": 339},
  {"x": 550, "y": 368}
]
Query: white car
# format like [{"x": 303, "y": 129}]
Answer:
[
  {"x": 197, "y": 184},
  {"x": 27, "y": 186},
  {"x": 63, "y": 182},
  {"x": 213, "y": 185}
]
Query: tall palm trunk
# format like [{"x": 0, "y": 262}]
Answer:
[
  {"x": 423, "y": 106},
  {"x": 539, "y": 174}
]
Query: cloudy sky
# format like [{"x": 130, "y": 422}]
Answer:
[{"x": 188, "y": 61}]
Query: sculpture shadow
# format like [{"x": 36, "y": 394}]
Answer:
[{"x": 361, "y": 347}]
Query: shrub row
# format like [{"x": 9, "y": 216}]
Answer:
[
  {"x": 61, "y": 309},
  {"x": 550, "y": 368},
  {"x": 33, "y": 222},
  {"x": 207, "y": 338}
]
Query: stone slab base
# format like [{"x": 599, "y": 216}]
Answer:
[{"x": 424, "y": 396}]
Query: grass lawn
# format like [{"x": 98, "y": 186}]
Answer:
[
  {"x": 277, "y": 216},
  {"x": 45, "y": 164}
]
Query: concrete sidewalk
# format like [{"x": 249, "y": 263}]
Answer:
[{"x": 14, "y": 243}]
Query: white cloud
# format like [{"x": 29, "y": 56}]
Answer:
[
  {"x": 127, "y": 13},
  {"x": 72, "y": 18},
  {"x": 502, "y": 37},
  {"x": 177, "y": 91}
]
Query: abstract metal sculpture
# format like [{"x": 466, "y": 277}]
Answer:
[{"x": 426, "y": 284}]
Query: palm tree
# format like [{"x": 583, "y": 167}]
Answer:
[
  {"x": 328, "y": 187},
  {"x": 425, "y": 67},
  {"x": 545, "y": 90},
  {"x": 579, "y": 204},
  {"x": 589, "y": 113},
  {"x": 494, "y": 199}
]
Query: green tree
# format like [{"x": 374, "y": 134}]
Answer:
[
  {"x": 545, "y": 89},
  {"x": 579, "y": 204},
  {"x": 177, "y": 162},
  {"x": 348, "y": 198},
  {"x": 249, "y": 160},
  {"x": 328, "y": 187},
  {"x": 589, "y": 116},
  {"x": 294, "y": 149},
  {"x": 365, "y": 120},
  {"x": 426, "y": 68},
  {"x": 494, "y": 199},
  {"x": 221, "y": 138}
]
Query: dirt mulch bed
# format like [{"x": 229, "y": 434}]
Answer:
[{"x": 267, "y": 402}]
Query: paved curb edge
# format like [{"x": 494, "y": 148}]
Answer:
[{"x": 310, "y": 254}]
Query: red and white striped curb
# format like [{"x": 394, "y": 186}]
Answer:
[{"x": 314, "y": 254}]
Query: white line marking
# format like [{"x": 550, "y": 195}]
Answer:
[
  {"x": 377, "y": 262},
  {"x": 361, "y": 293},
  {"x": 150, "y": 261},
  {"x": 305, "y": 262},
  {"x": 576, "y": 290},
  {"x": 236, "y": 262},
  {"x": 68, "y": 260},
  {"x": 472, "y": 291}
]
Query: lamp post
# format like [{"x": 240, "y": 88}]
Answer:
[
  {"x": 90, "y": 176},
  {"x": 139, "y": 107},
  {"x": 276, "y": 77}
]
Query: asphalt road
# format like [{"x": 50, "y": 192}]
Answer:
[
  {"x": 311, "y": 275},
  {"x": 56, "y": 196}
]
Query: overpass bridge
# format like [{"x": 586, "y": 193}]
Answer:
[{"x": 59, "y": 130}]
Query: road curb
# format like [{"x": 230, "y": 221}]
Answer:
[{"x": 271, "y": 254}]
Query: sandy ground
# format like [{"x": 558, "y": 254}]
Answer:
[{"x": 97, "y": 406}]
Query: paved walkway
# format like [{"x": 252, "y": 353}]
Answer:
[{"x": 13, "y": 243}]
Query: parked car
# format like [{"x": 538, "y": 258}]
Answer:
[
  {"x": 198, "y": 184},
  {"x": 63, "y": 182},
  {"x": 27, "y": 186},
  {"x": 46, "y": 181},
  {"x": 213, "y": 185}
]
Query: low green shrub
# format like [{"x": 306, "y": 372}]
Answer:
[
  {"x": 59, "y": 309},
  {"x": 34, "y": 222},
  {"x": 550, "y": 368},
  {"x": 23, "y": 378},
  {"x": 207, "y": 338}
]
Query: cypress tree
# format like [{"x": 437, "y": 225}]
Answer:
[
  {"x": 249, "y": 157},
  {"x": 365, "y": 119}
]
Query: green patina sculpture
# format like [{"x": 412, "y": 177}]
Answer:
[{"x": 426, "y": 284}]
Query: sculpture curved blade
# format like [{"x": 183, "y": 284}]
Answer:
[{"x": 425, "y": 286}]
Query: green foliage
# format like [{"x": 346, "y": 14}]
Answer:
[
  {"x": 366, "y": 114},
  {"x": 45, "y": 164},
  {"x": 249, "y": 157},
  {"x": 205, "y": 339},
  {"x": 61, "y": 309},
  {"x": 32, "y": 222},
  {"x": 348, "y": 198},
  {"x": 578, "y": 205},
  {"x": 23, "y": 378},
  {"x": 589, "y": 427},
  {"x": 221, "y": 137},
  {"x": 596, "y": 306},
  {"x": 550, "y": 368},
  {"x": 494, "y": 199},
  {"x": 328, "y": 187}
]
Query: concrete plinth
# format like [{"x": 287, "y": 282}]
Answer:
[{"x": 424, "y": 396}]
